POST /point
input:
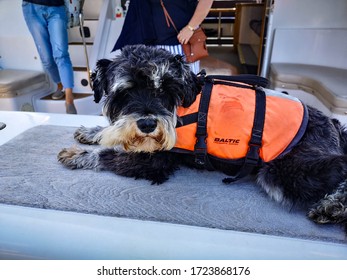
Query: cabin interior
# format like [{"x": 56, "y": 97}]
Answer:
[{"x": 300, "y": 46}]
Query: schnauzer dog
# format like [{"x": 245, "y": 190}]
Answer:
[{"x": 142, "y": 89}]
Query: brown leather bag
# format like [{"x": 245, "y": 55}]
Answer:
[{"x": 196, "y": 48}]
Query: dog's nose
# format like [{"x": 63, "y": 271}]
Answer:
[{"x": 147, "y": 125}]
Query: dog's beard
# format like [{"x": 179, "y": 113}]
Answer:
[{"x": 125, "y": 132}]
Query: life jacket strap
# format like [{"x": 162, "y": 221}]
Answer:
[
  {"x": 187, "y": 119},
  {"x": 252, "y": 158},
  {"x": 249, "y": 79},
  {"x": 200, "y": 148}
]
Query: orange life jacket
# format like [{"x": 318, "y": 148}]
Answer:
[{"x": 230, "y": 120}]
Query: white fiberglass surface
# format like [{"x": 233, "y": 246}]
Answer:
[
  {"x": 18, "y": 122},
  {"x": 29, "y": 233}
]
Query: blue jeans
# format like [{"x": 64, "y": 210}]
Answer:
[{"x": 48, "y": 27}]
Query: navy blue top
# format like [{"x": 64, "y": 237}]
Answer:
[
  {"x": 47, "y": 2},
  {"x": 145, "y": 22}
]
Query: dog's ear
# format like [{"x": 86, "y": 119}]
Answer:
[
  {"x": 191, "y": 87},
  {"x": 99, "y": 79}
]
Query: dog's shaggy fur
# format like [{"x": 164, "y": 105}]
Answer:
[{"x": 142, "y": 88}]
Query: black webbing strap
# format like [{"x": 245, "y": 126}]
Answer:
[
  {"x": 249, "y": 79},
  {"x": 200, "y": 148},
  {"x": 187, "y": 119},
  {"x": 252, "y": 158}
]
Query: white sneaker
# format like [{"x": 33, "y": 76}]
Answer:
[{"x": 59, "y": 94}]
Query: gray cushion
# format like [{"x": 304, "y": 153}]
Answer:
[{"x": 31, "y": 176}]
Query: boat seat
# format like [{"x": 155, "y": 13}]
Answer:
[
  {"x": 15, "y": 82},
  {"x": 328, "y": 84},
  {"x": 215, "y": 66}
]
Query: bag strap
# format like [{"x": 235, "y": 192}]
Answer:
[{"x": 167, "y": 16}]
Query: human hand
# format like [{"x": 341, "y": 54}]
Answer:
[{"x": 184, "y": 35}]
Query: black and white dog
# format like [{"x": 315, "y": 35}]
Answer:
[{"x": 142, "y": 88}]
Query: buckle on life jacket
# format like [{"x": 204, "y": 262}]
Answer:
[
  {"x": 252, "y": 156},
  {"x": 254, "y": 145},
  {"x": 200, "y": 150}
]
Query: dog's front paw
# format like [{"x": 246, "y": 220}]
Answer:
[
  {"x": 70, "y": 157},
  {"x": 86, "y": 135}
]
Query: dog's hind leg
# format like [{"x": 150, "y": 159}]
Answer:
[
  {"x": 304, "y": 181},
  {"x": 88, "y": 136},
  {"x": 154, "y": 167},
  {"x": 319, "y": 181}
]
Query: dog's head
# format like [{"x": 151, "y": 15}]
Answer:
[{"x": 141, "y": 89}]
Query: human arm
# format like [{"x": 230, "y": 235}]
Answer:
[{"x": 199, "y": 15}]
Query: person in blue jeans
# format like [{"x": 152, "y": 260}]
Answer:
[{"x": 47, "y": 23}]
